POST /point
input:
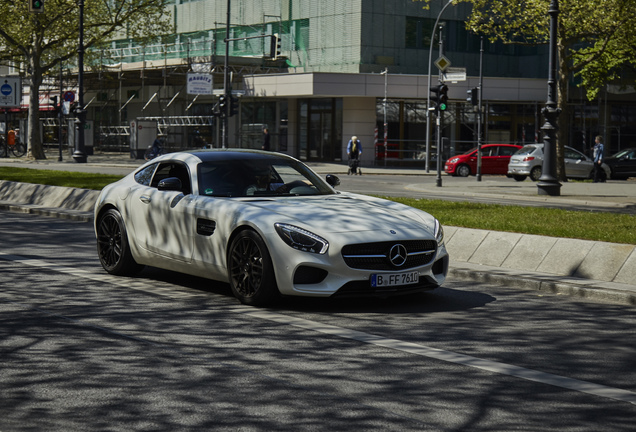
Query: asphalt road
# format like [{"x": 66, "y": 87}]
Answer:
[{"x": 84, "y": 351}]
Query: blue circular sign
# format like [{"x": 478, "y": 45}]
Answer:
[
  {"x": 6, "y": 89},
  {"x": 69, "y": 96}
]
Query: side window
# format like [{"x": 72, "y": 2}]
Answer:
[
  {"x": 569, "y": 154},
  {"x": 145, "y": 175},
  {"x": 507, "y": 151},
  {"x": 489, "y": 151},
  {"x": 173, "y": 169}
]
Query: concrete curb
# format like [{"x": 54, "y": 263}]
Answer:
[
  {"x": 574, "y": 287},
  {"x": 580, "y": 268}
]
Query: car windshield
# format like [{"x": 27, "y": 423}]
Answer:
[
  {"x": 259, "y": 177},
  {"x": 629, "y": 152},
  {"x": 526, "y": 150}
]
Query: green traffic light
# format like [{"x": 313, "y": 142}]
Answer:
[{"x": 442, "y": 107}]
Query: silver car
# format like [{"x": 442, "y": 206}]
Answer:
[
  {"x": 268, "y": 225},
  {"x": 528, "y": 162}
]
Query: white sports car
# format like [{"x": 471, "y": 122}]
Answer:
[{"x": 268, "y": 225}]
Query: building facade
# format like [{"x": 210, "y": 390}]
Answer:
[{"x": 336, "y": 69}]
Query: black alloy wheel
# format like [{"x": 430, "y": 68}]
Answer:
[
  {"x": 251, "y": 272},
  {"x": 112, "y": 245}
]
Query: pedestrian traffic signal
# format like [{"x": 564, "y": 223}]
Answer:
[
  {"x": 36, "y": 6},
  {"x": 274, "y": 47},
  {"x": 234, "y": 106},
  {"x": 473, "y": 96},
  {"x": 223, "y": 105},
  {"x": 439, "y": 97}
]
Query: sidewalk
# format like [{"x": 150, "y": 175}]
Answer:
[{"x": 596, "y": 270}]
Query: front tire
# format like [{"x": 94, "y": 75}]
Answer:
[
  {"x": 463, "y": 170},
  {"x": 251, "y": 272},
  {"x": 519, "y": 177},
  {"x": 113, "y": 248}
]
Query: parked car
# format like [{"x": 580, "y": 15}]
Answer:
[
  {"x": 528, "y": 162},
  {"x": 494, "y": 160},
  {"x": 268, "y": 225},
  {"x": 623, "y": 164}
]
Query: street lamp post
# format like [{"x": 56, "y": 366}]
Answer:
[
  {"x": 428, "y": 100},
  {"x": 548, "y": 183},
  {"x": 79, "y": 155},
  {"x": 226, "y": 80},
  {"x": 385, "y": 126}
]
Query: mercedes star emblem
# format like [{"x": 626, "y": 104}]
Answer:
[{"x": 398, "y": 255}]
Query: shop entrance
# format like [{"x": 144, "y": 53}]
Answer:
[{"x": 320, "y": 131}]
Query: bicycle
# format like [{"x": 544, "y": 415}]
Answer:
[{"x": 18, "y": 149}]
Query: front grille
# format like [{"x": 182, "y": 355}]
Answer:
[{"x": 375, "y": 256}]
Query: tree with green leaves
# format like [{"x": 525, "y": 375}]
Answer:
[
  {"x": 38, "y": 42},
  {"x": 595, "y": 41}
]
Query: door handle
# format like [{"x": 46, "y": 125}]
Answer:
[{"x": 145, "y": 199}]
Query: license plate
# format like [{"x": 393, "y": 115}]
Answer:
[{"x": 395, "y": 279}]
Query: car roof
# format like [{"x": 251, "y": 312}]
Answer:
[
  {"x": 220, "y": 155},
  {"x": 208, "y": 155}
]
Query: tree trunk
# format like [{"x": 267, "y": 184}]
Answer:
[
  {"x": 563, "y": 132},
  {"x": 35, "y": 148}
]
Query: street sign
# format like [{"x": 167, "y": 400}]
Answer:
[
  {"x": 442, "y": 63},
  {"x": 454, "y": 74},
  {"x": 69, "y": 96},
  {"x": 10, "y": 92},
  {"x": 199, "y": 83}
]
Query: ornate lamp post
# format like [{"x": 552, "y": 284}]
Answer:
[
  {"x": 548, "y": 183},
  {"x": 79, "y": 155}
]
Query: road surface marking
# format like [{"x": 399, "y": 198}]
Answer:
[{"x": 368, "y": 338}]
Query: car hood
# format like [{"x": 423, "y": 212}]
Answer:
[{"x": 346, "y": 213}]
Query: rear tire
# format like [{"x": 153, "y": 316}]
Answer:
[
  {"x": 113, "y": 248},
  {"x": 535, "y": 173},
  {"x": 251, "y": 272},
  {"x": 18, "y": 149}
]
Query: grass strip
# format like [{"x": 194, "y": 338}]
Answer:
[
  {"x": 597, "y": 226},
  {"x": 57, "y": 178}
]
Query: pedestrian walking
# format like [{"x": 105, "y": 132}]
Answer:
[
  {"x": 354, "y": 150},
  {"x": 598, "y": 150},
  {"x": 266, "y": 139}
]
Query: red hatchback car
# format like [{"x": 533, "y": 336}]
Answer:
[{"x": 494, "y": 160}]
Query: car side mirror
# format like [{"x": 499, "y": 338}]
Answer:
[
  {"x": 333, "y": 180},
  {"x": 170, "y": 184}
]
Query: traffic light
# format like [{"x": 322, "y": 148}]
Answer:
[
  {"x": 234, "y": 106},
  {"x": 53, "y": 100},
  {"x": 36, "y": 6},
  {"x": 443, "y": 98},
  {"x": 473, "y": 96},
  {"x": 439, "y": 96},
  {"x": 223, "y": 105},
  {"x": 274, "y": 47}
]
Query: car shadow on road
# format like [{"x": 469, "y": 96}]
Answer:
[{"x": 443, "y": 299}]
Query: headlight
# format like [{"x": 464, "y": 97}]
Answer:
[
  {"x": 439, "y": 233},
  {"x": 301, "y": 239},
  {"x": 453, "y": 160}
]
